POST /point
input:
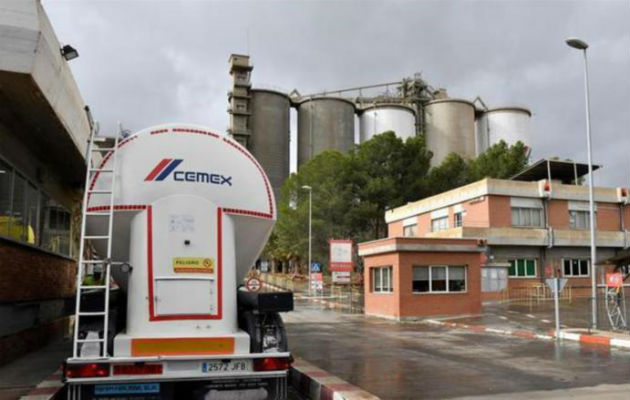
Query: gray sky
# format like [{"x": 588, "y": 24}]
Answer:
[{"x": 144, "y": 63}]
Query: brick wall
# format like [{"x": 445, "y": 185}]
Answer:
[
  {"x": 30, "y": 274},
  {"x": 395, "y": 229},
  {"x": 381, "y": 304},
  {"x": 433, "y": 304},
  {"x": 476, "y": 214},
  {"x": 558, "y": 214},
  {"x": 608, "y": 217},
  {"x": 403, "y": 303},
  {"x": 500, "y": 215}
]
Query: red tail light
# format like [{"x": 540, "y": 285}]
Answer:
[
  {"x": 272, "y": 363},
  {"x": 138, "y": 369},
  {"x": 92, "y": 370}
]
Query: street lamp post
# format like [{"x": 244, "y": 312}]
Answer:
[
  {"x": 310, "y": 232},
  {"x": 582, "y": 45}
]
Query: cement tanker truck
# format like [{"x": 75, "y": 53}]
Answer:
[{"x": 174, "y": 218}]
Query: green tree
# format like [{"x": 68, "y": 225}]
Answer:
[
  {"x": 351, "y": 192},
  {"x": 499, "y": 161},
  {"x": 327, "y": 174},
  {"x": 451, "y": 173}
]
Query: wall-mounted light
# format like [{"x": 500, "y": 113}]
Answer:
[{"x": 69, "y": 53}]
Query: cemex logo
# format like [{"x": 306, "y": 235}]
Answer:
[{"x": 165, "y": 167}]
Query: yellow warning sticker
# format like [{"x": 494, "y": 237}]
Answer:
[{"x": 196, "y": 265}]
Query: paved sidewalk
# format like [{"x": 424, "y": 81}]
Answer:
[
  {"x": 21, "y": 376},
  {"x": 535, "y": 320}
]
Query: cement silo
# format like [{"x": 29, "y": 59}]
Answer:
[
  {"x": 449, "y": 127},
  {"x": 380, "y": 118},
  {"x": 270, "y": 133},
  {"x": 324, "y": 123},
  {"x": 510, "y": 124}
]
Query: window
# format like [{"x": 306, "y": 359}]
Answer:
[
  {"x": 438, "y": 224},
  {"x": 579, "y": 219},
  {"x": 439, "y": 279},
  {"x": 522, "y": 268},
  {"x": 524, "y": 216},
  {"x": 27, "y": 214},
  {"x": 458, "y": 219},
  {"x": 493, "y": 279},
  {"x": 575, "y": 267},
  {"x": 382, "y": 280},
  {"x": 410, "y": 230}
]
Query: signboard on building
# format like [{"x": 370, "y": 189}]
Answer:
[
  {"x": 264, "y": 266},
  {"x": 341, "y": 255},
  {"x": 341, "y": 277},
  {"x": 614, "y": 280},
  {"x": 317, "y": 281}
]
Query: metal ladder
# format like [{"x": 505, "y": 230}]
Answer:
[{"x": 86, "y": 264}]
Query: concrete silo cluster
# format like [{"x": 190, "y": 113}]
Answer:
[{"x": 260, "y": 119}]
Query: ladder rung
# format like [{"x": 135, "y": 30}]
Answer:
[
  {"x": 88, "y": 287},
  {"x": 96, "y": 237},
  {"x": 90, "y": 340},
  {"x": 101, "y": 170},
  {"x": 103, "y": 149},
  {"x": 100, "y": 191},
  {"x": 92, "y": 313},
  {"x": 97, "y": 214},
  {"x": 94, "y": 261}
]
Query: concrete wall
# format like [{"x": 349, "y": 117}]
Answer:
[{"x": 28, "y": 45}]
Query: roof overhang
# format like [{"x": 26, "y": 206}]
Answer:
[
  {"x": 40, "y": 104},
  {"x": 565, "y": 171}
]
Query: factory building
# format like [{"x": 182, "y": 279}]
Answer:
[
  {"x": 260, "y": 120},
  {"x": 535, "y": 226},
  {"x": 43, "y": 139}
]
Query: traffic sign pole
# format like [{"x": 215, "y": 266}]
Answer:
[{"x": 556, "y": 283}]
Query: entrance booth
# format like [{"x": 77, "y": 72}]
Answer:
[{"x": 410, "y": 278}]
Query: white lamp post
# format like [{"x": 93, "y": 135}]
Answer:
[
  {"x": 582, "y": 45},
  {"x": 310, "y": 232}
]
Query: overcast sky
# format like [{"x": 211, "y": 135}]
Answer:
[{"x": 144, "y": 63}]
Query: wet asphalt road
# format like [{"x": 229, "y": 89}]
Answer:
[{"x": 417, "y": 361}]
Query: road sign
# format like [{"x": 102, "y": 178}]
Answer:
[
  {"x": 341, "y": 255},
  {"x": 548, "y": 270},
  {"x": 316, "y": 267},
  {"x": 253, "y": 284},
  {"x": 341, "y": 277},
  {"x": 317, "y": 282},
  {"x": 614, "y": 280},
  {"x": 552, "y": 285}
]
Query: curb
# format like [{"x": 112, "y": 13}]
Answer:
[
  {"x": 317, "y": 384},
  {"x": 46, "y": 389},
  {"x": 588, "y": 340}
]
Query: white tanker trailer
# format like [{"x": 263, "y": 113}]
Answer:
[{"x": 176, "y": 215}]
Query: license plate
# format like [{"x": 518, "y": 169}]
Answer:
[
  {"x": 126, "y": 388},
  {"x": 226, "y": 366}
]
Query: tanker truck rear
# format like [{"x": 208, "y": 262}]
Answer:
[{"x": 174, "y": 218}]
